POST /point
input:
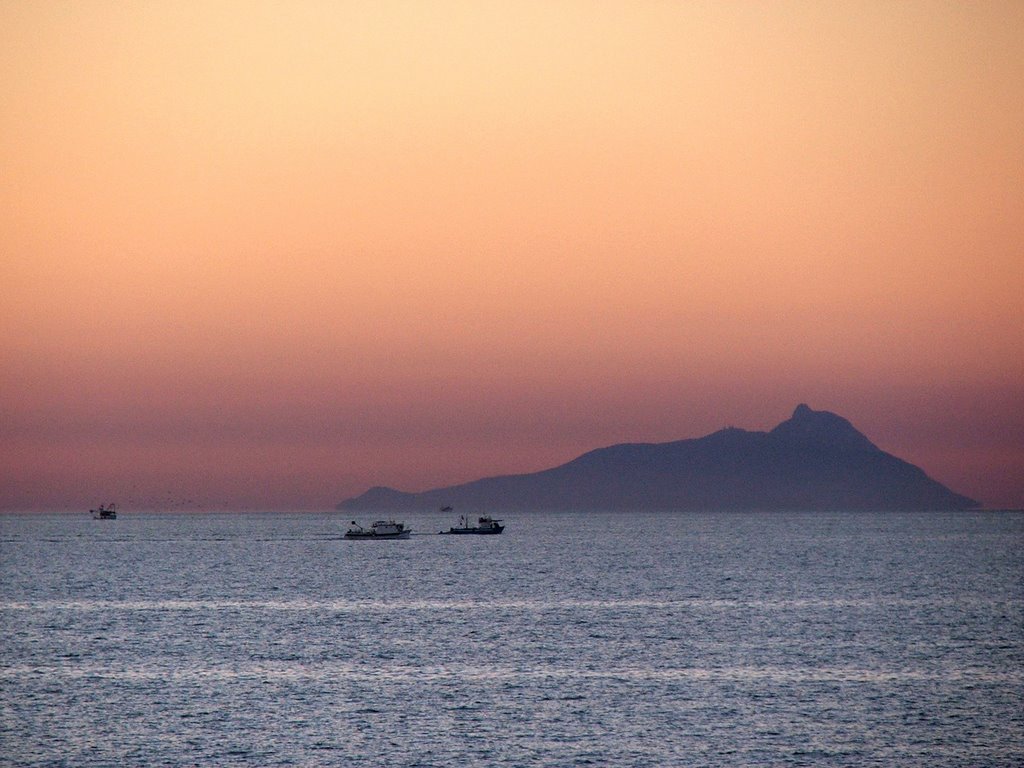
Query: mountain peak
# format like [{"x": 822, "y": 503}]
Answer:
[{"x": 807, "y": 426}]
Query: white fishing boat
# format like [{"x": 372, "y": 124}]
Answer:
[
  {"x": 108, "y": 512},
  {"x": 381, "y": 529},
  {"x": 485, "y": 525}
]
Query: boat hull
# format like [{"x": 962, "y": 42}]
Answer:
[
  {"x": 475, "y": 531},
  {"x": 371, "y": 535}
]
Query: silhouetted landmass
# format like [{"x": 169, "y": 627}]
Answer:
[{"x": 815, "y": 460}]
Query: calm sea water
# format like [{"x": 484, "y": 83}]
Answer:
[{"x": 607, "y": 640}]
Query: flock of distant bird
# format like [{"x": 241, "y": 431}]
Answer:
[{"x": 168, "y": 503}]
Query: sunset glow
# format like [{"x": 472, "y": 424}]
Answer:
[{"x": 272, "y": 254}]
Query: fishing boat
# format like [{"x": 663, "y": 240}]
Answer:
[
  {"x": 381, "y": 529},
  {"x": 485, "y": 525},
  {"x": 108, "y": 512}
]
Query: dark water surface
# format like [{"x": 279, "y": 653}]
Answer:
[{"x": 610, "y": 640}]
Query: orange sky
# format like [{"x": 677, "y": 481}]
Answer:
[{"x": 270, "y": 254}]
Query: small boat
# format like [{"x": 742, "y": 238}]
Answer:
[
  {"x": 382, "y": 529},
  {"x": 485, "y": 525},
  {"x": 108, "y": 512}
]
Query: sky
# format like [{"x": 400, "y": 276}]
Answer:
[{"x": 270, "y": 254}]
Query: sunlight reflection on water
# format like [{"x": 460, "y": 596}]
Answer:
[{"x": 400, "y": 605}]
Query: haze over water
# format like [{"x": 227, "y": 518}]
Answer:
[{"x": 617, "y": 640}]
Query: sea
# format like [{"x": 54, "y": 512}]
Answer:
[{"x": 674, "y": 639}]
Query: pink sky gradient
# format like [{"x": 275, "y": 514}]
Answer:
[{"x": 262, "y": 255}]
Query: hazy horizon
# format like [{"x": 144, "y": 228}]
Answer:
[{"x": 269, "y": 256}]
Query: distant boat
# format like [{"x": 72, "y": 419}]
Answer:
[
  {"x": 485, "y": 525},
  {"x": 108, "y": 512},
  {"x": 382, "y": 529}
]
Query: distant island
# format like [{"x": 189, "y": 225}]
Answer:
[{"x": 815, "y": 460}]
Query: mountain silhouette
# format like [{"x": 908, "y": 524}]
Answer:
[{"x": 815, "y": 460}]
